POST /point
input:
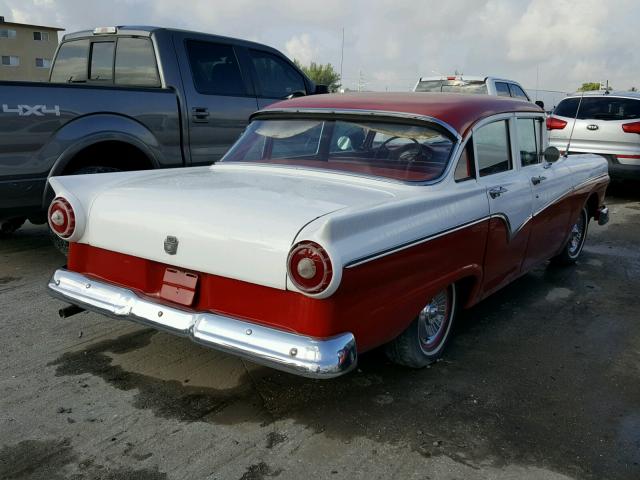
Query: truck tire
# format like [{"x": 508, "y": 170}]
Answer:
[
  {"x": 9, "y": 226},
  {"x": 61, "y": 245}
]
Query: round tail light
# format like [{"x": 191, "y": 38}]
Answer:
[
  {"x": 62, "y": 219},
  {"x": 309, "y": 267}
]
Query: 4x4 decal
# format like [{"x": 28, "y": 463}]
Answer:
[{"x": 27, "y": 110}]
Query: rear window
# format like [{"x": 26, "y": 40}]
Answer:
[
  {"x": 71, "y": 63},
  {"x": 452, "y": 86},
  {"x": 391, "y": 150},
  {"x": 599, "y": 108}
]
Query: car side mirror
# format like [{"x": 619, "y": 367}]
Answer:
[
  {"x": 540, "y": 103},
  {"x": 321, "y": 89},
  {"x": 551, "y": 154}
]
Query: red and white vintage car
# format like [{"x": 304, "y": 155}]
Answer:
[{"x": 335, "y": 224}]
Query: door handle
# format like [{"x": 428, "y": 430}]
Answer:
[
  {"x": 200, "y": 114},
  {"x": 495, "y": 192},
  {"x": 538, "y": 179}
]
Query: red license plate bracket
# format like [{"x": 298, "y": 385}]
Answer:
[{"x": 179, "y": 286}]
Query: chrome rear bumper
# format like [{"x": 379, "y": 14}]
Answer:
[{"x": 293, "y": 353}]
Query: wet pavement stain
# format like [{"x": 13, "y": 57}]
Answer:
[
  {"x": 166, "y": 398},
  {"x": 259, "y": 471},
  {"x": 55, "y": 460},
  {"x": 275, "y": 438},
  {"x": 5, "y": 280},
  {"x": 537, "y": 403},
  {"x": 35, "y": 459}
]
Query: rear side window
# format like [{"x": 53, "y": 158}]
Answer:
[
  {"x": 101, "y": 61},
  {"x": 136, "y": 63},
  {"x": 599, "y": 108},
  {"x": 517, "y": 92},
  {"x": 276, "y": 77},
  {"x": 493, "y": 150},
  {"x": 502, "y": 89},
  {"x": 528, "y": 133},
  {"x": 215, "y": 69},
  {"x": 71, "y": 63}
]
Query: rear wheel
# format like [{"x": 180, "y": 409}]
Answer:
[
  {"x": 9, "y": 226},
  {"x": 573, "y": 248},
  {"x": 424, "y": 341},
  {"x": 61, "y": 245}
]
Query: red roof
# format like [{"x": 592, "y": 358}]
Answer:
[{"x": 457, "y": 110}]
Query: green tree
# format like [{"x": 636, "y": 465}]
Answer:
[
  {"x": 588, "y": 86},
  {"x": 321, "y": 74}
]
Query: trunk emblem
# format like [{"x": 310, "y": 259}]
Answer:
[
  {"x": 171, "y": 245},
  {"x": 592, "y": 127}
]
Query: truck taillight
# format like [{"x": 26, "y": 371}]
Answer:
[
  {"x": 309, "y": 267},
  {"x": 633, "y": 127},
  {"x": 61, "y": 217},
  {"x": 554, "y": 123}
]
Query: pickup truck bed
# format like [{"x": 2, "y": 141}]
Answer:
[{"x": 132, "y": 98}]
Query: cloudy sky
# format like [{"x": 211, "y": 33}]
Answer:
[{"x": 390, "y": 43}]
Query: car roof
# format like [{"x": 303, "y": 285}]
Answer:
[
  {"x": 459, "y": 111},
  {"x": 601, "y": 93},
  {"x": 471, "y": 78},
  {"x": 148, "y": 30}
]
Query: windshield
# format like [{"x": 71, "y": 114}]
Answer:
[
  {"x": 391, "y": 150},
  {"x": 599, "y": 108},
  {"x": 453, "y": 86}
]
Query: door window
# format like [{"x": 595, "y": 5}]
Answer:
[
  {"x": 101, "y": 61},
  {"x": 502, "y": 89},
  {"x": 493, "y": 149},
  {"x": 215, "y": 69},
  {"x": 465, "y": 169},
  {"x": 528, "y": 133},
  {"x": 71, "y": 63},
  {"x": 136, "y": 63},
  {"x": 276, "y": 77}
]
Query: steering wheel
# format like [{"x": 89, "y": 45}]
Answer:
[{"x": 404, "y": 150}]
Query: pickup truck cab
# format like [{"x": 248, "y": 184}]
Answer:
[
  {"x": 472, "y": 84},
  {"x": 132, "y": 98}
]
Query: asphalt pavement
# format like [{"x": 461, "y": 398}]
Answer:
[{"x": 541, "y": 381}]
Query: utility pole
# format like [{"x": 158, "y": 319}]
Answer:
[{"x": 342, "y": 56}]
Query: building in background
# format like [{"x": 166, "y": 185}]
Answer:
[{"x": 26, "y": 51}]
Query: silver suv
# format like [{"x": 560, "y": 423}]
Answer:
[{"x": 606, "y": 123}]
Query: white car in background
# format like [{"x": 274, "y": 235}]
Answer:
[
  {"x": 472, "y": 84},
  {"x": 607, "y": 123}
]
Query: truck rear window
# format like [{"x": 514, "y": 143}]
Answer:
[
  {"x": 599, "y": 108},
  {"x": 136, "y": 63},
  {"x": 71, "y": 63},
  {"x": 454, "y": 86}
]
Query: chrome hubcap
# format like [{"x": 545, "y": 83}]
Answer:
[
  {"x": 577, "y": 233},
  {"x": 432, "y": 320}
]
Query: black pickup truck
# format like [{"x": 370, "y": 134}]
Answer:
[{"x": 132, "y": 98}]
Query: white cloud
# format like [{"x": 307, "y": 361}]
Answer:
[
  {"x": 301, "y": 48},
  {"x": 395, "y": 41}
]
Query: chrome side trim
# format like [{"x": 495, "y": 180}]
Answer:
[
  {"x": 290, "y": 352},
  {"x": 511, "y": 233},
  {"x": 413, "y": 243}
]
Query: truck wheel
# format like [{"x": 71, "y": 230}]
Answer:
[
  {"x": 573, "y": 248},
  {"x": 61, "y": 245},
  {"x": 424, "y": 341},
  {"x": 9, "y": 226}
]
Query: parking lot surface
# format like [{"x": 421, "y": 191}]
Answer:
[{"x": 541, "y": 381}]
